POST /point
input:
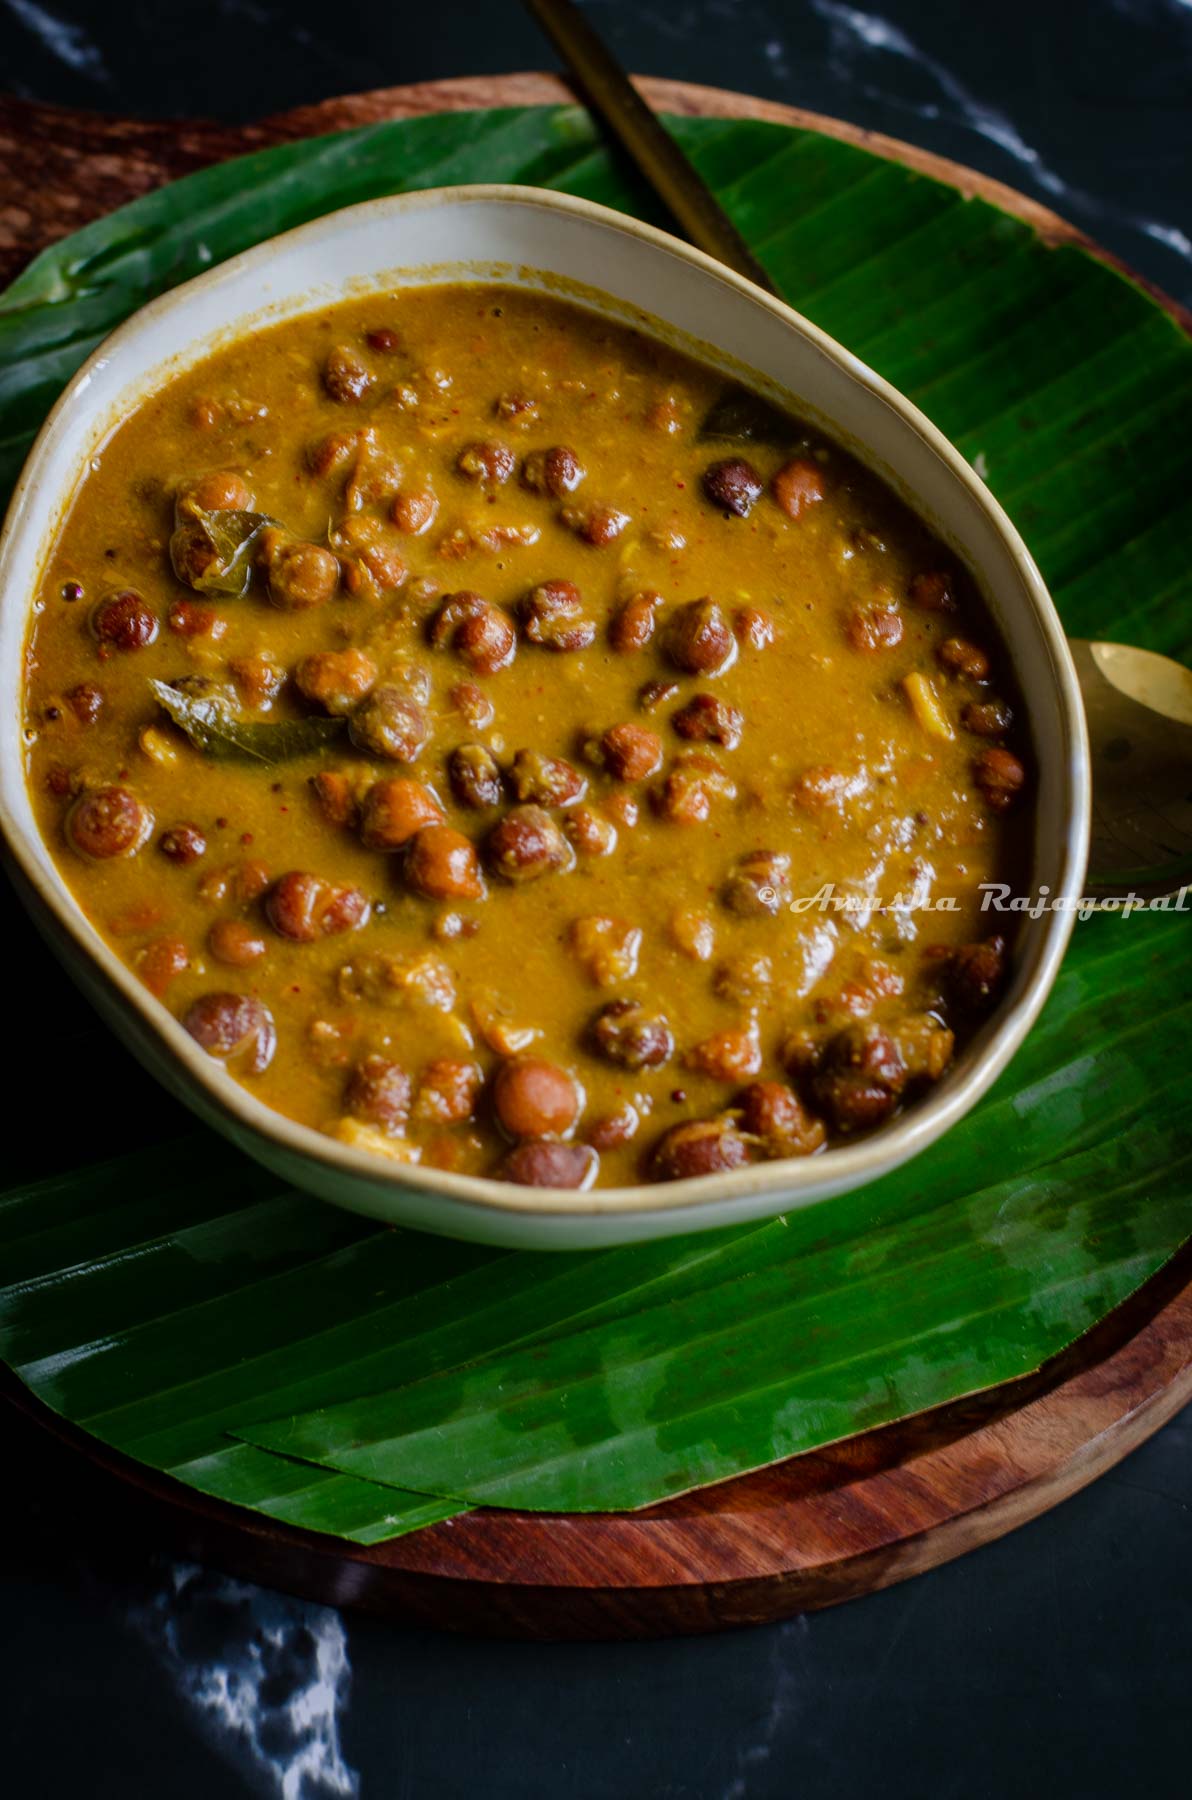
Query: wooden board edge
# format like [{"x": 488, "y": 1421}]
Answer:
[{"x": 982, "y": 1468}]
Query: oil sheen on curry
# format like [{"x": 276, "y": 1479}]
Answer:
[{"x": 456, "y": 708}]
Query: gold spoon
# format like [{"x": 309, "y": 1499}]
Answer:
[
  {"x": 1139, "y": 710},
  {"x": 1138, "y": 704}
]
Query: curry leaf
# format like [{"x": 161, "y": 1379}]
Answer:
[
  {"x": 217, "y": 732},
  {"x": 746, "y": 418},
  {"x": 212, "y": 551}
]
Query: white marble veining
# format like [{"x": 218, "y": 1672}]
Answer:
[
  {"x": 268, "y": 1678},
  {"x": 67, "y": 42},
  {"x": 857, "y": 38}
]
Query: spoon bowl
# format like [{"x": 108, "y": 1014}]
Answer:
[{"x": 1139, "y": 710}]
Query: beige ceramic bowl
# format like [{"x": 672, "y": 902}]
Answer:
[{"x": 629, "y": 272}]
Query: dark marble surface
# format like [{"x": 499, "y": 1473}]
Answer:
[{"x": 1057, "y": 1661}]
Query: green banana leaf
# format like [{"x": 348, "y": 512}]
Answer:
[{"x": 178, "y": 1304}]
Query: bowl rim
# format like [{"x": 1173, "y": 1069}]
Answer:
[{"x": 798, "y": 1181}]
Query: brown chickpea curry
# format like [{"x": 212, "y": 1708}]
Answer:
[{"x": 454, "y": 706}]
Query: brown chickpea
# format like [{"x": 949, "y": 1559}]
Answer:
[
  {"x": 924, "y": 1045},
  {"x": 85, "y": 701},
  {"x": 161, "y": 962},
  {"x": 488, "y": 463},
  {"x": 476, "y": 630},
  {"x": 626, "y": 1033},
  {"x": 986, "y": 718},
  {"x": 442, "y": 864},
  {"x": 301, "y": 575},
  {"x": 346, "y": 376},
  {"x": 589, "y": 833},
  {"x": 693, "y": 782},
  {"x": 692, "y": 933},
  {"x": 450, "y": 614},
  {"x": 872, "y": 628},
  {"x": 187, "y": 620},
  {"x": 521, "y": 408},
  {"x": 820, "y": 789},
  {"x": 976, "y": 974},
  {"x": 372, "y": 563},
  {"x": 759, "y": 885},
  {"x": 552, "y": 617},
  {"x": 547, "y": 1164},
  {"x": 1000, "y": 776},
  {"x": 234, "y": 942},
  {"x": 798, "y": 486},
  {"x": 487, "y": 641},
  {"x": 525, "y": 844},
  {"x": 334, "y": 454},
  {"x": 447, "y": 1092},
  {"x": 258, "y": 678},
  {"x": 698, "y": 640},
  {"x": 705, "y": 719},
  {"x": 545, "y": 780},
  {"x": 378, "y": 1093},
  {"x": 240, "y": 883},
  {"x": 336, "y": 680},
  {"x": 728, "y": 1055},
  {"x": 860, "y": 1078},
  {"x": 303, "y": 907},
  {"x": 409, "y": 678},
  {"x": 535, "y": 1099},
  {"x": 389, "y": 724},
  {"x": 556, "y": 472},
  {"x": 335, "y": 796},
  {"x": 744, "y": 979},
  {"x": 599, "y": 525},
  {"x": 182, "y": 844},
  {"x": 222, "y": 490},
  {"x": 733, "y": 485},
  {"x": 394, "y": 810},
  {"x": 475, "y": 776},
  {"x": 753, "y": 627},
  {"x": 631, "y": 752},
  {"x": 772, "y": 1111},
  {"x": 473, "y": 703},
  {"x": 124, "y": 621},
  {"x": 933, "y": 591},
  {"x": 614, "y": 1129},
  {"x": 963, "y": 658},
  {"x": 192, "y": 552},
  {"x": 632, "y": 627},
  {"x": 854, "y": 1102},
  {"x": 606, "y": 947},
  {"x": 105, "y": 822},
  {"x": 414, "y": 510},
  {"x": 233, "y": 1026},
  {"x": 63, "y": 783},
  {"x": 655, "y": 694},
  {"x": 704, "y": 1147}
]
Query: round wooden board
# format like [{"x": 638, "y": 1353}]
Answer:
[{"x": 806, "y": 1533}]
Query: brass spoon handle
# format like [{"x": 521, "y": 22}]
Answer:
[{"x": 612, "y": 97}]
